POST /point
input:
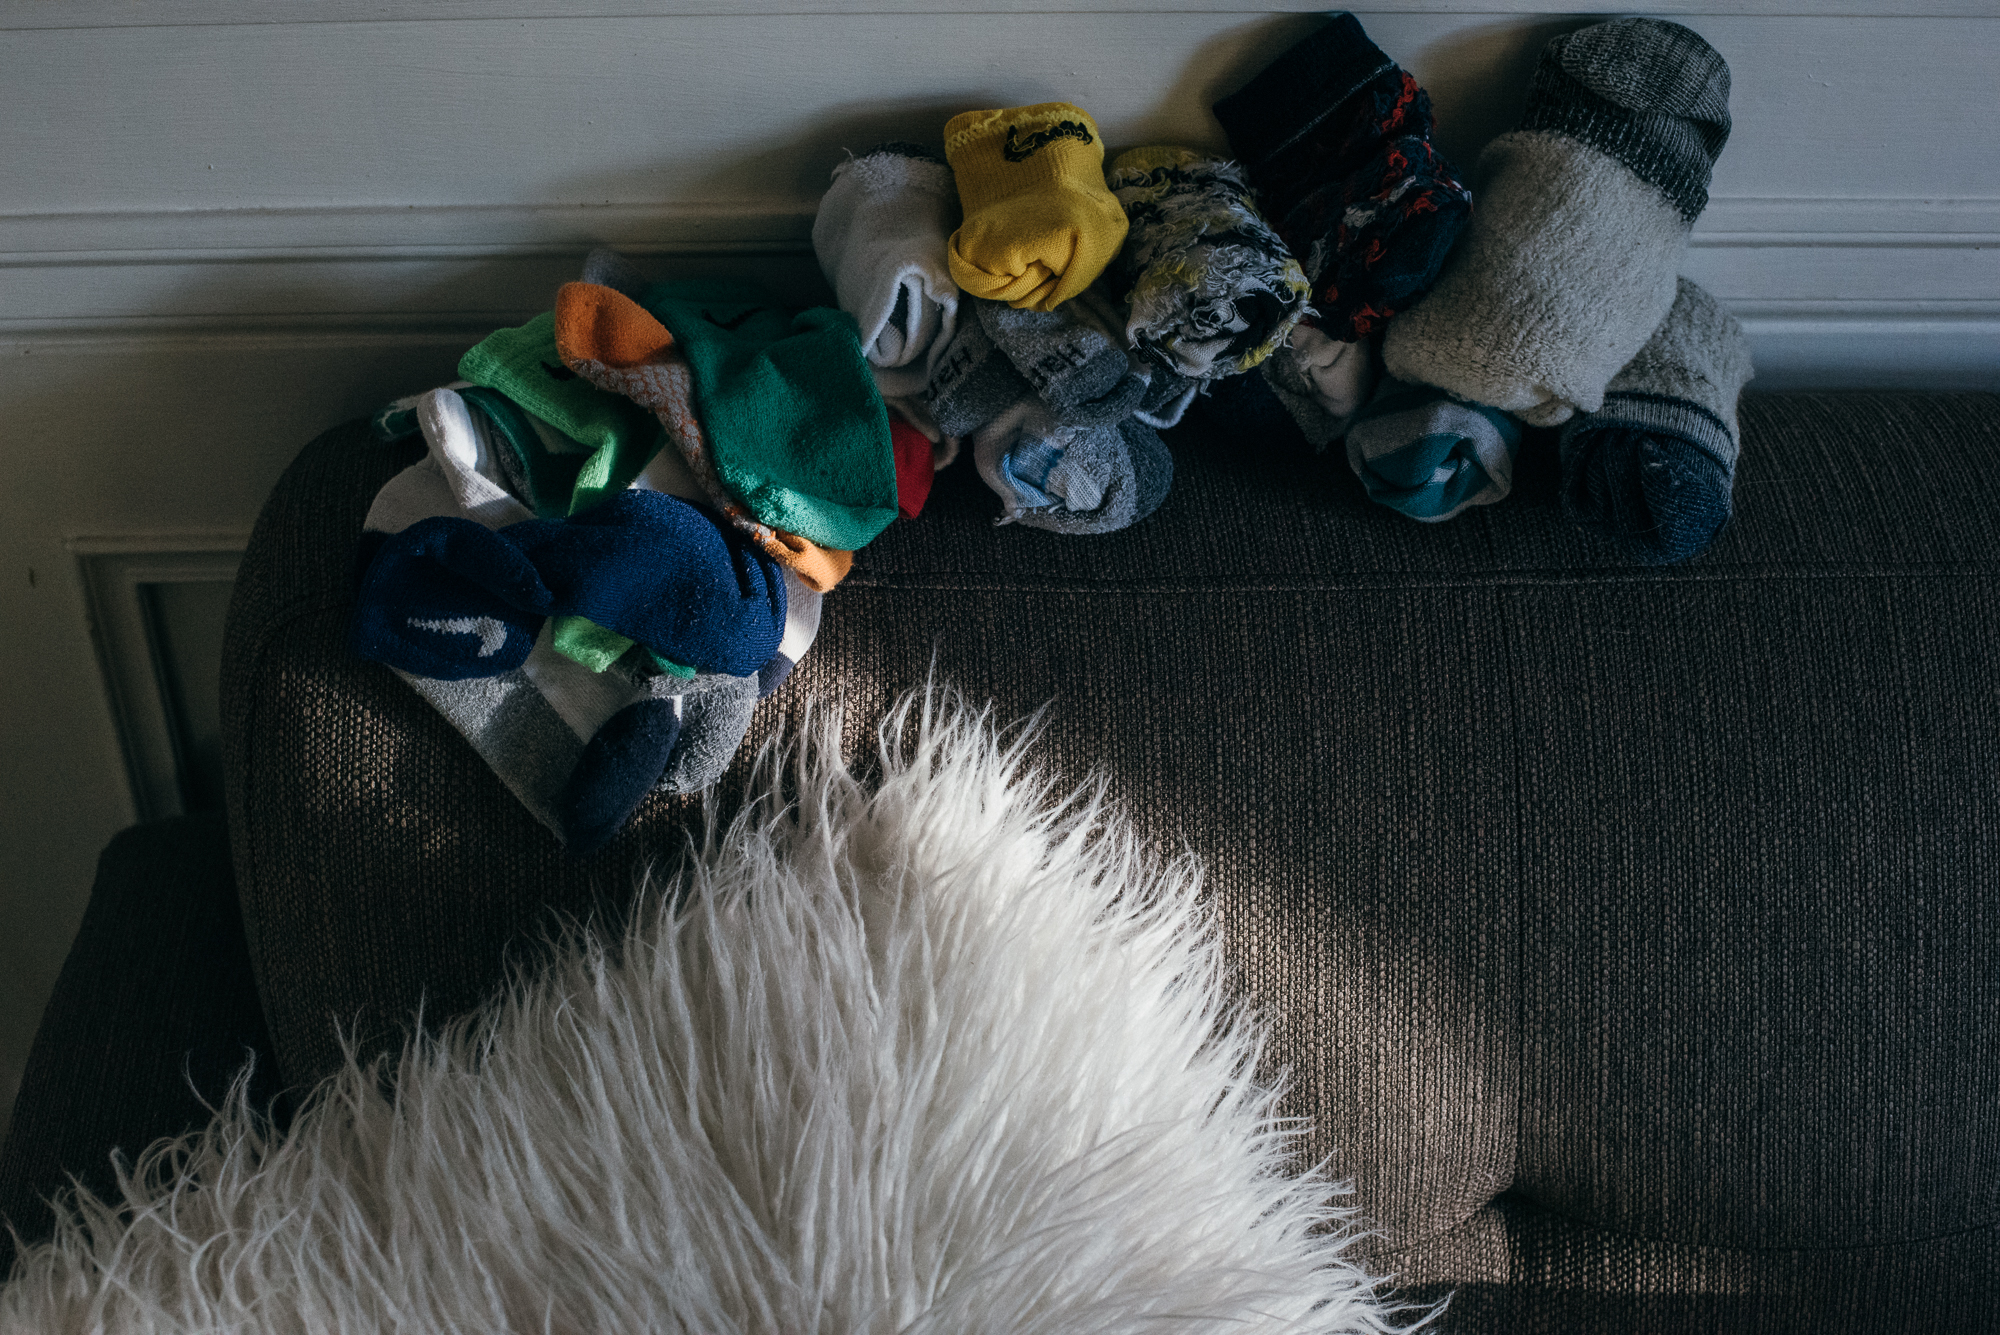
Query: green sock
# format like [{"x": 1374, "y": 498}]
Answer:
[
  {"x": 523, "y": 365},
  {"x": 795, "y": 424},
  {"x": 586, "y": 642},
  {"x": 517, "y": 372},
  {"x": 543, "y": 466}
]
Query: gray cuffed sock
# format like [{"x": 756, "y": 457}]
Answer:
[
  {"x": 1651, "y": 94},
  {"x": 1654, "y": 469},
  {"x": 1570, "y": 261},
  {"x": 971, "y": 381},
  {"x": 1091, "y": 480},
  {"x": 1085, "y": 378},
  {"x": 1105, "y": 478}
]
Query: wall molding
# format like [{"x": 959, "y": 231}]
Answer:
[
  {"x": 404, "y": 231},
  {"x": 1894, "y": 291},
  {"x": 426, "y": 231},
  {"x": 118, "y": 572},
  {"x": 25, "y": 15}
]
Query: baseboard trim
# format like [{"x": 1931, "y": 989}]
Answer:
[{"x": 29, "y": 14}]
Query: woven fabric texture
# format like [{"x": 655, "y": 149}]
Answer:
[{"x": 1627, "y": 931}]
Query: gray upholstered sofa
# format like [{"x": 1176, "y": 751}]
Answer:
[{"x": 1632, "y": 936}]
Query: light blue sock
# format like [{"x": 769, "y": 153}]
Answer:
[{"x": 1418, "y": 450}]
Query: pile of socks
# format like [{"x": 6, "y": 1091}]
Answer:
[
  {"x": 1021, "y": 304},
  {"x": 1439, "y": 335},
  {"x": 630, "y": 508},
  {"x": 618, "y": 539}
]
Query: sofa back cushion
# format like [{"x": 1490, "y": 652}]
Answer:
[{"x": 1658, "y": 897}]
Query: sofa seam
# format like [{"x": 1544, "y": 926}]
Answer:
[
  {"x": 1991, "y": 1225},
  {"x": 995, "y": 583},
  {"x": 1511, "y": 670}
]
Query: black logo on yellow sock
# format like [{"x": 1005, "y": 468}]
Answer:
[{"x": 1020, "y": 150}]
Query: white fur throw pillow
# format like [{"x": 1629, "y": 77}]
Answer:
[{"x": 938, "y": 1052}]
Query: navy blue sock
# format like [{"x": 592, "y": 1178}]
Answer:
[
  {"x": 618, "y": 767},
  {"x": 450, "y": 599},
  {"x": 1337, "y": 141},
  {"x": 1660, "y": 496},
  {"x": 666, "y": 574}
]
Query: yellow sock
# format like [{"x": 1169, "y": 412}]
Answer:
[{"x": 1040, "y": 224}]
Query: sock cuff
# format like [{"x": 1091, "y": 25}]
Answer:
[
  {"x": 904, "y": 149},
  {"x": 1300, "y": 89},
  {"x": 1025, "y": 129},
  {"x": 1659, "y": 414},
  {"x": 1134, "y": 165},
  {"x": 1650, "y": 94},
  {"x": 886, "y": 169}
]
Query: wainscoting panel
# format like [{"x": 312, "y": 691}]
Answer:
[
  {"x": 229, "y": 225},
  {"x": 157, "y": 606}
]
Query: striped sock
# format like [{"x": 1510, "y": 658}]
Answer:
[{"x": 1653, "y": 468}]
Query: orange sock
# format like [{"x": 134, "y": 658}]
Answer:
[
  {"x": 616, "y": 344},
  {"x": 602, "y": 324}
]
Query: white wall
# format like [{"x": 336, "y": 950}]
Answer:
[{"x": 232, "y": 225}]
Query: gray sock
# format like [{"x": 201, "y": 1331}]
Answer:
[
  {"x": 607, "y": 268},
  {"x": 971, "y": 382},
  {"x": 1091, "y": 480},
  {"x": 715, "y": 714},
  {"x": 1168, "y": 394},
  {"x": 1124, "y": 467},
  {"x": 1570, "y": 261},
  {"x": 1084, "y": 377}
]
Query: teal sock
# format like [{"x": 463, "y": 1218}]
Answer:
[{"x": 1420, "y": 451}]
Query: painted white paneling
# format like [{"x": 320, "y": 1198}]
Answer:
[
  {"x": 28, "y": 14},
  {"x": 108, "y": 438},
  {"x": 226, "y": 224},
  {"x": 752, "y": 110}
]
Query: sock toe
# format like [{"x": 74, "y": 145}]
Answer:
[
  {"x": 1663, "y": 499},
  {"x": 717, "y": 712},
  {"x": 616, "y": 770},
  {"x": 599, "y": 323}
]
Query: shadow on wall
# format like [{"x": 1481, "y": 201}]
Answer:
[{"x": 1478, "y": 80}]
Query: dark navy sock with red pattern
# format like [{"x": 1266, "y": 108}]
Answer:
[{"x": 1337, "y": 141}]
